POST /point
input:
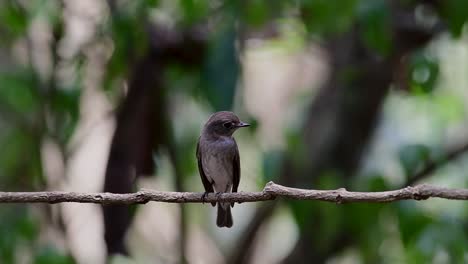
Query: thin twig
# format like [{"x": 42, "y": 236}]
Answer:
[
  {"x": 432, "y": 166},
  {"x": 270, "y": 192}
]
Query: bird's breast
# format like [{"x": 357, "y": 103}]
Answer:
[{"x": 217, "y": 161}]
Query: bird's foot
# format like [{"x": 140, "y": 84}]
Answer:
[
  {"x": 218, "y": 195},
  {"x": 203, "y": 197}
]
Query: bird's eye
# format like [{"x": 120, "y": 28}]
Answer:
[{"x": 227, "y": 125}]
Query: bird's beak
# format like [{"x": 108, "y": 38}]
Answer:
[{"x": 242, "y": 124}]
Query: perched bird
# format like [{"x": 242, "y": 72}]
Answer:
[{"x": 218, "y": 160}]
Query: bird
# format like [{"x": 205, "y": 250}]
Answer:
[{"x": 218, "y": 160}]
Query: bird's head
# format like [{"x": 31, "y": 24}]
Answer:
[{"x": 223, "y": 123}]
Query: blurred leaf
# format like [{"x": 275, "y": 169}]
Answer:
[
  {"x": 456, "y": 14},
  {"x": 182, "y": 79},
  {"x": 329, "y": 217},
  {"x": 302, "y": 212},
  {"x": 423, "y": 236},
  {"x": 7, "y": 246},
  {"x": 361, "y": 216},
  {"x": 20, "y": 160},
  {"x": 18, "y": 91},
  {"x": 374, "y": 20},
  {"x": 18, "y": 227},
  {"x": 413, "y": 157},
  {"x": 129, "y": 39},
  {"x": 412, "y": 221},
  {"x": 222, "y": 70},
  {"x": 66, "y": 100},
  {"x": 27, "y": 227},
  {"x": 253, "y": 125},
  {"x": 456, "y": 242},
  {"x": 272, "y": 162},
  {"x": 370, "y": 237},
  {"x": 370, "y": 183},
  {"x": 15, "y": 147},
  {"x": 414, "y": 255},
  {"x": 50, "y": 255},
  {"x": 46, "y": 9},
  {"x": 151, "y": 3},
  {"x": 194, "y": 10},
  {"x": 257, "y": 12},
  {"x": 328, "y": 17},
  {"x": 377, "y": 184},
  {"x": 65, "y": 106},
  {"x": 330, "y": 179},
  {"x": 291, "y": 36},
  {"x": 13, "y": 18},
  {"x": 186, "y": 150},
  {"x": 444, "y": 235},
  {"x": 361, "y": 223},
  {"x": 424, "y": 73},
  {"x": 332, "y": 220},
  {"x": 451, "y": 107},
  {"x": 365, "y": 214}
]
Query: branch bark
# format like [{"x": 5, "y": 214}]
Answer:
[{"x": 270, "y": 192}]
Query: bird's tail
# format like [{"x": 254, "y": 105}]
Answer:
[{"x": 224, "y": 218}]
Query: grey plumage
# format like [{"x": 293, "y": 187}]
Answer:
[{"x": 218, "y": 160}]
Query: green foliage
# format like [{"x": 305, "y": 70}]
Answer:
[
  {"x": 18, "y": 92},
  {"x": 129, "y": 39},
  {"x": 424, "y": 72},
  {"x": 257, "y": 13},
  {"x": 194, "y": 10},
  {"x": 456, "y": 14},
  {"x": 374, "y": 21},
  {"x": 50, "y": 255},
  {"x": 272, "y": 165},
  {"x": 413, "y": 157},
  {"x": 412, "y": 221},
  {"x": 17, "y": 227},
  {"x": 328, "y": 17},
  {"x": 303, "y": 212},
  {"x": 361, "y": 223},
  {"x": 450, "y": 107},
  {"x": 361, "y": 218},
  {"x": 222, "y": 69},
  {"x": 65, "y": 105},
  {"x": 186, "y": 151},
  {"x": 329, "y": 217},
  {"x": 13, "y": 18},
  {"x": 423, "y": 236},
  {"x": 15, "y": 146}
]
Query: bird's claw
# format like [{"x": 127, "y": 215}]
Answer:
[{"x": 203, "y": 197}]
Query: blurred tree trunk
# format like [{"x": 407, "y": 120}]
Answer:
[
  {"x": 341, "y": 120},
  {"x": 340, "y": 123},
  {"x": 344, "y": 115},
  {"x": 143, "y": 127},
  {"x": 132, "y": 146}
]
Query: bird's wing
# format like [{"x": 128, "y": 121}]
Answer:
[
  {"x": 205, "y": 181},
  {"x": 235, "y": 171}
]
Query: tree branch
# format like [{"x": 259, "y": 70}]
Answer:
[
  {"x": 270, "y": 192},
  {"x": 432, "y": 166}
]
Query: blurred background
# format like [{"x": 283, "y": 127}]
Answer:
[{"x": 111, "y": 96}]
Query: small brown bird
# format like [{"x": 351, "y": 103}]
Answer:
[{"x": 218, "y": 160}]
